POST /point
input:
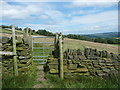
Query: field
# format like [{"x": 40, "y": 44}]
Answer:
[
  {"x": 8, "y": 31},
  {"x": 81, "y": 44},
  {"x": 51, "y": 81},
  {"x": 72, "y": 43}
]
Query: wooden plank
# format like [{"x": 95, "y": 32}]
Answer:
[
  {"x": 6, "y": 53},
  {"x": 14, "y": 51}
]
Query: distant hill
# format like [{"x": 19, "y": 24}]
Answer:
[{"x": 103, "y": 35}]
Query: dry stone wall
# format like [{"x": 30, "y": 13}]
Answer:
[
  {"x": 24, "y": 58},
  {"x": 87, "y": 62}
]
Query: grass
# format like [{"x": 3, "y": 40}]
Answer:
[
  {"x": 73, "y": 45},
  {"x": 115, "y": 44},
  {"x": 83, "y": 82},
  {"x": 9, "y": 31},
  {"x": 22, "y": 81},
  {"x": 39, "y": 45},
  {"x": 81, "y": 44}
]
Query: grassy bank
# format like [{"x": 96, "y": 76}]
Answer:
[
  {"x": 83, "y": 82},
  {"x": 10, "y": 31},
  {"x": 22, "y": 81}
]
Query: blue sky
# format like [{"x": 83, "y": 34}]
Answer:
[{"x": 70, "y": 17}]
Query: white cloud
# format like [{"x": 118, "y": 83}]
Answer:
[
  {"x": 55, "y": 20},
  {"x": 89, "y": 29},
  {"x": 17, "y": 11},
  {"x": 39, "y": 0},
  {"x": 44, "y": 17},
  {"x": 96, "y": 18},
  {"x": 61, "y": 0},
  {"x": 52, "y": 28},
  {"x": 84, "y": 12},
  {"x": 32, "y": 11},
  {"x": 93, "y": 3}
]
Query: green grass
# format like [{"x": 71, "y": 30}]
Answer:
[
  {"x": 34, "y": 33},
  {"x": 41, "y": 50},
  {"x": 83, "y": 82},
  {"x": 22, "y": 81},
  {"x": 115, "y": 44},
  {"x": 73, "y": 45},
  {"x": 10, "y": 32}
]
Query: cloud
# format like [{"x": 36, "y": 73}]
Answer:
[
  {"x": 50, "y": 17},
  {"x": 52, "y": 28},
  {"x": 18, "y": 11},
  {"x": 44, "y": 17},
  {"x": 96, "y": 18},
  {"x": 89, "y": 29},
  {"x": 39, "y": 0},
  {"x": 92, "y": 3},
  {"x": 31, "y": 11}
]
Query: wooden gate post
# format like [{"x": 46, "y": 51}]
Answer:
[
  {"x": 56, "y": 53},
  {"x": 27, "y": 29},
  {"x": 56, "y": 38},
  {"x": 61, "y": 56},
  {"x": 14, "y": 51},
  {"x": 29, "y": 37}
]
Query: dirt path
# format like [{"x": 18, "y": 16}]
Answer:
[
  {"x": 40, "y": 74},
  {"x": 42, "y": 82}
]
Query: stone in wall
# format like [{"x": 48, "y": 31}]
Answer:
[
  {"x": 88, "y": 62},
  {"x": 24, "y": 59}
]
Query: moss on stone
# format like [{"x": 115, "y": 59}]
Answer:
[{"x": 54, "y": 71}]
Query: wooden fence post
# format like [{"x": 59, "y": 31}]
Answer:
[
  {"x": 27, "y": 29},
  {"x": 61, "y": 56},
  {"x": 29, "y": 37},
  {"x": 56, "y": 38},
  {"x": 14, "y": 51},
  {"x": 56, "y": 53}
]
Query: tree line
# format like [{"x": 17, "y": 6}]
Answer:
[{"x": 99, "y": 40}]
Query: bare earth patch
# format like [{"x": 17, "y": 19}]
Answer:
[{"x": 41, "y": 78}]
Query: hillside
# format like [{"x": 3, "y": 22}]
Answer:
[
  {"x": 73, "y": 43},
  {"x": 81, "y": 44},
  {"x": 103, "y": 35},
  {"x": 8, "y": 31}
]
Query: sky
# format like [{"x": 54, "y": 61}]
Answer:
[{"x": 66, "y": 16}]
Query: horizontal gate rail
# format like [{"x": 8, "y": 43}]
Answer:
[
  {"x": 42, "y": 48},
  {"x": 41, "y": 52},
  {"x": 39, "y": 59},
  {"x": 42, "y": 37},
  {"x": 42, "y": 63},
  {"x": 44, "y": 42},
  {"x": 40, "y": 56}
]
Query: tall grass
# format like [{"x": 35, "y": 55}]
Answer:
[
  {"x": 22, "y": 81},
  {"x": 83, "y": 82}
]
